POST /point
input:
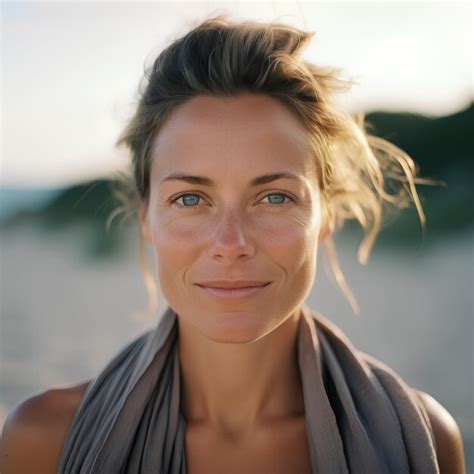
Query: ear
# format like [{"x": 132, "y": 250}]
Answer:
[
  {"x": 327, "y": 227},
  {"x": 144, "y": 224}
]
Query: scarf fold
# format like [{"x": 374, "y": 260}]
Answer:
[{"x": 360, "y": 416}]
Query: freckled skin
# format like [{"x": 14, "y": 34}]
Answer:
[
  {"x": 232, "y": 230},
  {"x": 238, "y": 367},
  {"x": 240, "y": 393}
]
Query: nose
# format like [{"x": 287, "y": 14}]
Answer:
[{"x": 230, "y": 240}]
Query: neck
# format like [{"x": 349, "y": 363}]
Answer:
[{"x": 236, "y": 387}]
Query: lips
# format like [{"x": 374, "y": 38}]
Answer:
[
  {"x": 234, "y": 293},
  {"x": 233, "y": 284}
]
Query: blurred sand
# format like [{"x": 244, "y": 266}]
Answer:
[{"x": 63, "y": 317}]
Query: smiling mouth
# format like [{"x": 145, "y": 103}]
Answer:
[
  {"x": 234, "y": 292},
  {"x": 233, "y": 288}
]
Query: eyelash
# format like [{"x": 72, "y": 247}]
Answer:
[{"x": 173, "y": 200}]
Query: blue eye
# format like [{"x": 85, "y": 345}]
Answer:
[
  {"x": 196, "y": 197},
  {"x": 279, "y": 194}
]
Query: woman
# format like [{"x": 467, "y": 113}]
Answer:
[{"x": 243, "y": 167}]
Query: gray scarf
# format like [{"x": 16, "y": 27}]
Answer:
[{"x": 361, "y": 417}]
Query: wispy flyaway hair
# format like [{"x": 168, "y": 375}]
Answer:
[{"x": 222, "y": 57}]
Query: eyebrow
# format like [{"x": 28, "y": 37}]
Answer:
[{"x": 204, "y": 181}]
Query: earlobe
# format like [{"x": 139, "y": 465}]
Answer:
[
  {"x": 323, "y": 234},
  {"x": 326, "y": 229}
]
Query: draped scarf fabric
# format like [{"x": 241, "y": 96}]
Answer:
[{"x": 360, "y": 416}]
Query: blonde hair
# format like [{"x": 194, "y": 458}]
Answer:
[{"x": 222, "y": 57}]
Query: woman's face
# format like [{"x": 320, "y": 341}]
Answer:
[{"x": 225, "y": 227}]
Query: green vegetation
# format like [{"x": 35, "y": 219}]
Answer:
[{"x": 442, "y": 147}]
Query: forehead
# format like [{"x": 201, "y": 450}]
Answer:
[{"x": 247, "y": 129}]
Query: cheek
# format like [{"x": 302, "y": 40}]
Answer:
[
  {"x": 173, "y": 242},
  {"x": 295, "y": 246},
  {"x": 289, "y": 235},
  {"x": 174, "y": 254},
  {"x": 179, "y": 231}
]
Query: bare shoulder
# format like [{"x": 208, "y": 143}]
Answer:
[
  {"x": 35, "y": 430},
  {"x": 449, "y": 445}
]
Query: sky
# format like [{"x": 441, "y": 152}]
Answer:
[{"x": 70, "y": 71}]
